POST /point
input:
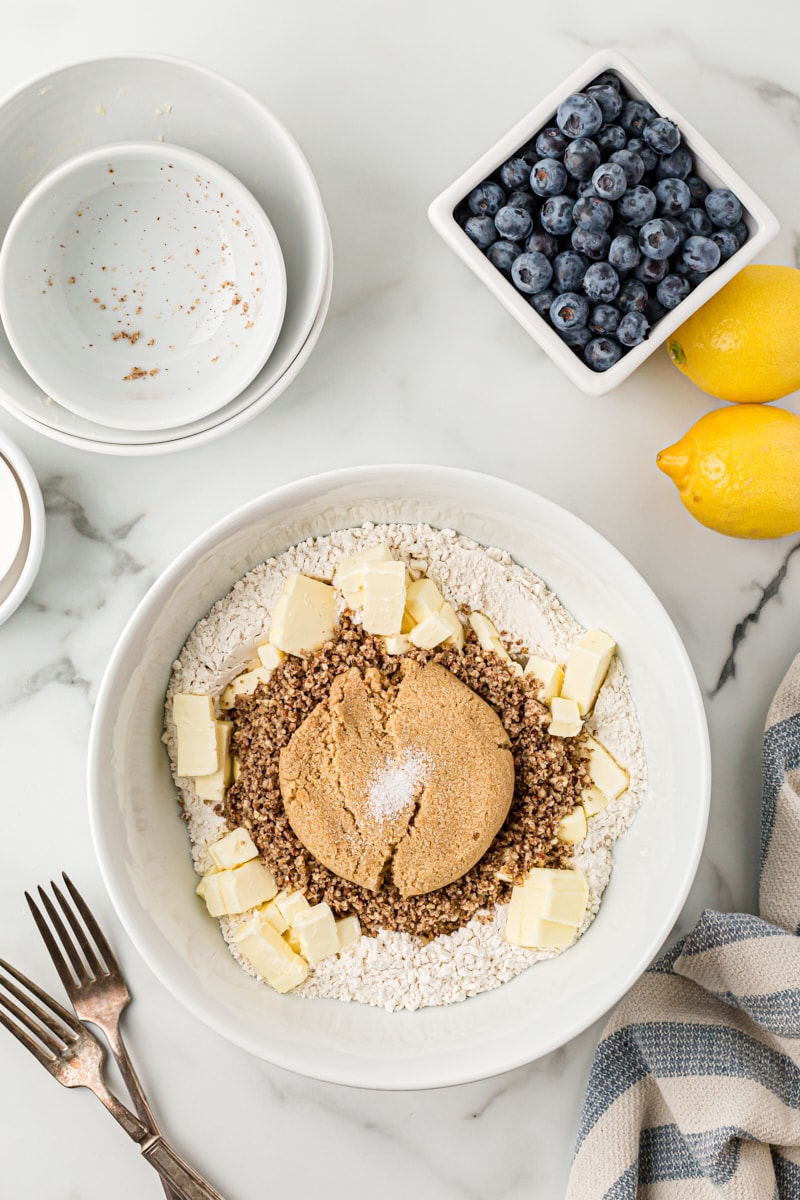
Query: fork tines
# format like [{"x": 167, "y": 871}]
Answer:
[
  {"x": 97, "y": 966},
  {"x": 53, "y": 1026}
]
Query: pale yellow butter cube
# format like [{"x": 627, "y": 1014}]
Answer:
[
  {"x": 557, "y": 895},
  {"x": 449, "y": 615},
  {"x": 243, "y": 685},
  {"x": 604, "y": 771},
  {"x": 348, "y": 931},
  {"x": 566, "y": 718},
  {"x": 236, "y": 768},
  {"x": 195, "y": 734},
  {"x": 587, "y": 667},
  {"x": 232, "y": 850},
  {"x": 593, "y": 801},
  {"x": 290, "y": 904},
  {"x": 423, "y": 599},
  {"x": 384, "y": 597},
  {"x": 549, "y": 674},
  {"x": 315, "y": 930},
  {"x": 237, "y": 889},
  {"x": 349, "y": 574},
  {"x": 212, "y": 787},
  {"x": 269, "y": 656},
  {"x": 269, "y": 955},
  {"x": 572, "y": 828},
  {"x": 488, "y": 637},
  {"x": 534, "y": 933},
  {"x": 430, "y": 632},
  {"x": 291, "y": 939},
  {"x": 398, "y": 644},
  {"x": 304, "y": 618},
  {"x": 273, "y": 916}
]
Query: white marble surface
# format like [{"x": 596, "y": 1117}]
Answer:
[{"x": 417, "y": 362}]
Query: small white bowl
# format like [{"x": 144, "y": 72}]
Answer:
[
  {"x": 761, "y": 222},
  {"x": 16, "y": 582},
  {"x": 141, "y": 285}
]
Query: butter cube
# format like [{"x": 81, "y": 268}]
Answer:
[
  {"x": 243, "y": 685},
  {"x": 212, "y": 787},
  {"x": 232, "y": 850},
  {"x": 430, "y": 632},
  {"x": 398, "y": 644},
  {"x": 536, "y": 933},
  {"x": 269, "y": 656},
  {"x": 423, "y": 599},
  {"x": 236, "y": 889},
  {"x": 315, "y": 930},
  {"x": 556, "y": 895},
  {"x": 572, "y": 828},
  {"x": 384, "y": 597},
  {"x": 604, "y": 772},
  {"x": 593, "y": 801},
  {"x": 195, "y": 734},
  {"x": 290, "y": 904},
  {"x": 269, "y": 955},
  {"x": 407, "y": 623},
  {"x": 236, "y": 768},
  {"x": 348, "y": 931},
  {"x": 304, "y": 618},
  {"x": 273, "y": 916},
  {"x": 449, "y": 615},
  {"x": 349, "y": 575},
  {"x": 566, "y": 718},
  {"x": 587, "y": 666},
  {"x": 549, "y": 674},
  {"x": 488, "y": 637}
]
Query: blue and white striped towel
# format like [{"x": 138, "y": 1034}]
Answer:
[{"x": 694, "y": 1093}]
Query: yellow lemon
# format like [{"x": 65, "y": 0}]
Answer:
[
  {"x": 737, "y": 470},
  {"x": 743, "y": 344}
]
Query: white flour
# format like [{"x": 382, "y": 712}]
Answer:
[{"x": 397, "y": 970}]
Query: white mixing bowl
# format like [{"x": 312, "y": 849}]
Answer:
[{"x": 142, "y": 845}]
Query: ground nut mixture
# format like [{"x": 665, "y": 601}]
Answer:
[{"x": 444, "y": 946}]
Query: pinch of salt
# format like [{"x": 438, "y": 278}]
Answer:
[{"x": 395, "y": 786}]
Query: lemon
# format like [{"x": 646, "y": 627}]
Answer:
[
  {"x": 737, "y": 470},
  {"x": 743, "y": 344}
]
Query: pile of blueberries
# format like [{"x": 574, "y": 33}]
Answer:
[{"x": 601, "y": 222}]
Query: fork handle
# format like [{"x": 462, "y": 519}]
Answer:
[{"x": 172, "y": 1168}]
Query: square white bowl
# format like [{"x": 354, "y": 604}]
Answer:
[{"x": 761, "y": 223}]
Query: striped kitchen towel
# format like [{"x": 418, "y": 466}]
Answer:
[{"x": 694, "y": 1092}]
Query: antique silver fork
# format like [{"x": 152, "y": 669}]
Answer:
[{"x": 74, "y": 1056}]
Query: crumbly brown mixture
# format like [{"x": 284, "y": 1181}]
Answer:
[{"x": 549, "y": 777}]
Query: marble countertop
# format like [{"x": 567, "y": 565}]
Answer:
[{"x": 418, "y": 363}]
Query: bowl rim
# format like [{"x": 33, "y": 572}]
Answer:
[
  {"x": 348, "y": 1069},
  {"x": 440, "y": 213},
  {"x": 34, "y": 502}
]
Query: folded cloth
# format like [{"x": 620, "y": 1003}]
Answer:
[{"x": 694, "y": 1091}]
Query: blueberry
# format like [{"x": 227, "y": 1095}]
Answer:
[
  {"x": 548, "y": 177},
  {"x": 591, "y": 212},
  {"x": 658, "y": 238},
  {"x": 502, "y": 255},
  {"x": 672, "y": 197},
  {"x": 654, "y": 311},
  {"x": 531, "y": 273},
  {"x": 723, "y": 208},
  {"x": 541, "y": 301},
  {"x": 593, "y": 243},
  {"x": 601, "y": 353},
  {"x": 637, "y": 206},
  {"x": 608, "y": 98},
  {"x": 608, "y": 77},
  {"x": 601, "y": 282},
  {"x": 576, "y": 338},
  {"x": 515, "y": 173},
  {"x": 633, "y": 329},
  {"x": 604, "y": 318},
  {"x": 487, "y": 198},
  {"x": 529, "y": 153},
  {"x": 556, "y": 215},
  {"x": 697, "y": 221},
  {"x": 632, "y": 296},
  {"x": 740, "y": 232},
  {"x": 682, "y": 229},
  {"x": 651, "y": 270},
  {"x": 676, "y": 165},
  {"x": 698, "y": 187},
  {"x": 540, "y": 242},
  {"x": 513, "y": 223},
  {"x": 610, "y": 137},
  {"x": 581, "y": 157},
  {"x": 609, "y": 181},
  {"x": 569, "y": 269},
  {"x": 700, "y": 254},
  {"x": 636, "y": 116},
  {"x": 646, "y": 153},
  {"x": 672, "y": 289},
  {"x": 624, "y": 252},
  {"x": 569, "y": 311},
  {"x": 631, "y": 164},
  {"x": 728, "y": 245},
  {"x": 663, "y": 135},
  {"x": 551, "y": 143},
  {"x": 579, "y": 116},
  {"x": 685, "y": 271},
  {"x": 482, "y": 231},
  {"x": 520, "y": 199},
  {"x": 586, "y": 188}
]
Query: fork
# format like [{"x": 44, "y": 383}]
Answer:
[
  {"x": 74, "y": 1056},
  {"x": 96, "y": 987}
]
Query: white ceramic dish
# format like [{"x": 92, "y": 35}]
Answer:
[
  {"x": 12, "y": 519},
  {"x": 141, "y": 285},
  {"x": 17, "y": 580},
  {"x": 144, "y": 97},
  {"x": 710, "y": 166},
  {"x": 142, "y": 845}
]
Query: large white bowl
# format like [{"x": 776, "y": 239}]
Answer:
[
  {"x": 142, "y": 846},
  {"x": 148, "y": 97}
]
